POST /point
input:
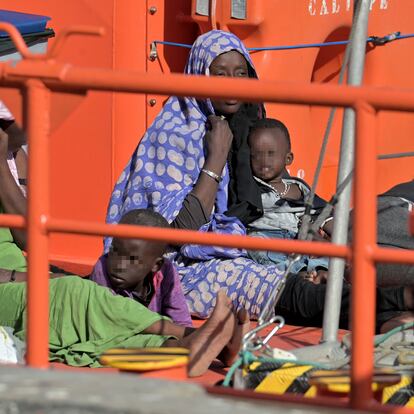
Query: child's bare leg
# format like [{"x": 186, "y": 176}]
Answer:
[
  {"x": 208, "y": 341},
  {"x": 404, "y": 317},
  {"x": 399, "y": 320},
  {"x": 409, "y": 297},
  {"x": 241, "y": 326}
]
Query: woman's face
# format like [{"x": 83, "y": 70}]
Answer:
[{"x": 231, "y": 64}]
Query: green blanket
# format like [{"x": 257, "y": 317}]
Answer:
[{"x": 85, "y": 320}]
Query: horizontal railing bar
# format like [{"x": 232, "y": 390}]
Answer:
[
  {"x": 379, "y": 254},
  {"x": 65, "y": 77},
  {"x": 392, "y": 255},
  {"x": 13, "y": 221},
  {"x": 174, "y": 236}
]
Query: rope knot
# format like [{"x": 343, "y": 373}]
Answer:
[{"x": 380, "y": 41}]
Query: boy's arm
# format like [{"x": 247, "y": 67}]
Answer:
[
  {"x": 174, "y": 304},
  {"x": 12, "y": 276},
  {"x": 166, "y": 328}
]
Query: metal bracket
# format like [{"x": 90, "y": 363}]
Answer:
[
  {"x": 252, "y": 342},
  {"x": 153, "y": 55},
  {"x": 56, "y": 47}
]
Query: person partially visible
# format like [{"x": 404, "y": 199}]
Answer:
[
  {"x": 86, "y": 319},
  {"x": 9, "y": 125},
  {"x": 136, "y": 269},
  {"x": 283, "y": 196},
  {"x": 13, "y": 169},
  {"x": 393, "y": 209},
  {"x": 13, "y": 191}
]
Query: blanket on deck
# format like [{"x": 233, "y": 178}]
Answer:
[{"x": 85, "y": 320}]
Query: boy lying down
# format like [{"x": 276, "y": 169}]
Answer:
[{"x": 86, "y": 319}]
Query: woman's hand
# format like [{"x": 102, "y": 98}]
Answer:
[{"x": 218, "y": 142}]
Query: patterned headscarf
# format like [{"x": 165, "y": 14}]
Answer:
[{"x": 168, "y": 160}]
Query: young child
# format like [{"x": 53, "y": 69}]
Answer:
[
  {"x": 282, "y": 196},
  {"x": 136, "y": 269}
]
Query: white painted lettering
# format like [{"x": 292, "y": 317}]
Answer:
[
  {"x": 327, "y": 7},
  {"x": 312, "y": 9},
  {"x": 324, "y": 8}
]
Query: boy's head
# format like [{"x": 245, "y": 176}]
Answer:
[
  {"x": 130, "y": 261},
  {"x": 270, "y": 148}
]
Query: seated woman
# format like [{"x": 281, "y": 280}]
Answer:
[
  {"x": 179, "y": 170},
  {"x": 193, "y": 157}
]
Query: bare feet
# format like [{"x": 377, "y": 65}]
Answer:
[
  {"x": 208, "y": 341},
  {"x": 241, "y": 326},
  {"x": 316, "y": 276}
]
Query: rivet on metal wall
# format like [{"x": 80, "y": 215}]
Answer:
[
  {"x": 152, "y": 10},
  {"x": 152, "y": 102}
]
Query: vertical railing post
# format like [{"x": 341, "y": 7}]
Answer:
[
  {"x": 334, "y": 286},
  {"x": 37, "y": 116},
  {"x": 363, "y": 266}
]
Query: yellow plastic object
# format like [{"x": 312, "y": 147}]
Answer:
[
  {"x": 285, "y": 378},
  {"x": 389, "y": 385},
  {"x": 145, "y": 359},
  {"x": 339, "y": 381}
]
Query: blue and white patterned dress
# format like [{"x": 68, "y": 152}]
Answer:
[{"x": 163, "y": 170}]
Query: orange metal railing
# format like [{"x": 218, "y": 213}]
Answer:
[{"x": 38, "y": 77}]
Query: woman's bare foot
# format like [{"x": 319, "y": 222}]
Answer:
[
  {"x": 209, "y": 340},
  {"x": 315, "y": 276},
  {"x": 241, "y": 326}
]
